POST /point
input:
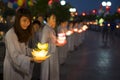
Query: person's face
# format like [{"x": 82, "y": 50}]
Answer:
[
  {"x": 52, "y": 21},
  {"x": 24, "y": 22},
  {"x": 71, "y": 24},
  {"x": 36, "y": 27},
  {"x": 64, "y": 24},
  {"x": 40, "y": 19}
]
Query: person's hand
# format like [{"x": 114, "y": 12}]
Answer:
[{"x": 35, "y": 60}]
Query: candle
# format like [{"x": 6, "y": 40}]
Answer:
[
  {"x": 41, "y": 52},
  {"x": 68, "y": 33},
  {"x": 75, "y": 29},
  {"x": 80, "y": 30},
  {"x": 40, "y": 55},
  {"x": 61, "y": 38}
]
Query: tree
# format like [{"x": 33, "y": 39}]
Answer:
[
  {"x": 62, "y": 12},
  {"x": 39, "y": 7}
]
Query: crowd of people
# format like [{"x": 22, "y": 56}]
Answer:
[{"x": 22, "y": 38}]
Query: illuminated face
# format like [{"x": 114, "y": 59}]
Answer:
[
  {"x": 52, "y": 21},
  {"x": 24, "y": 22},
  {"x": 64, "y": 24},
  {"x": 36, "y": 27},
  {"x": 40, "y": 19}
]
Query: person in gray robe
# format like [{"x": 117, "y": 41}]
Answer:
[
  {"x": 62, "y": 50},
  {"x": 37, "y": 30},
  {"x": 18, "y": 63},
  {"x": 50, "y": 67}
]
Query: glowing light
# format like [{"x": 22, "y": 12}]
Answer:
[
  {"x": 61, "y": 38},
  {"x": 72, "y": 9},
  {"x": 108, "y": 24},
  {"x": 108, "y": 3},
  {"x": 80, "y": 30},
  {"x": 101, "y": 21},
  {"x": 104, "y": 3},
  {"x": 118, "y": 10},
  {"x": 75, "y": 30},
  {"x": 41, "y": 52},
  {"x": 117, "y": 26},
  {"x": 83, "y": 14},
  {"x": 62, "y": 2},
  {"x": 68, "y": 33}
]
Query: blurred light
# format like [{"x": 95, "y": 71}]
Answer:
[
  {"x": 83, "y": 14},
  {"x": 94, "y": 11},
  {"x": 108, "y": 3},
  {"x": 76, "y": 13},
  {"x": 101, "y": 21},
  {"x": 44, "y": 22},
  {"x": 72, "y": 9},
  {"x": 50, "y": 2},
  {"x": 104, "y": 3},
  {"x": 63, "y": 2},
  {"x": 117, "y": 26},
  {"x": 118, "y": 10},
  {"x": 34, "y": 17},
  {"x": 108, "y": 25},
  {"x": 107, "y": 8}
]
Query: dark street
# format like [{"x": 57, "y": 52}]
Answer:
[{"x": 93, "y": 60}]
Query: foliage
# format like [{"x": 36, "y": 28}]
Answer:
[
  {"x": 62, "y": 12},
  {"x": 39, "y": 7}
]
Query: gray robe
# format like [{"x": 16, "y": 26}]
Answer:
[
  {"x": 50, "y": 67},
  {"x": 17, "y": 65},
  {"x": 62, "y": 50}
]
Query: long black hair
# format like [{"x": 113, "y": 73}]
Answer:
[{"x": 23, "y": 35}]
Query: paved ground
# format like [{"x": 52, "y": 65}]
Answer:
[{"x": 93, "y": 60}]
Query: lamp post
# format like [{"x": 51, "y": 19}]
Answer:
[{"x": 106, "y": 5}]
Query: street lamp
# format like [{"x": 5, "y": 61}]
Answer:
[
  {"x": 103, "y": 3},
  {"x": 72, "y": 9},
  {"x": 107, "y": 5},
  {"x": 62, "y": 2}
]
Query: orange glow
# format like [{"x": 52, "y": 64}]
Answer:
[
  {"x": 68, "y": 33},
  {"x": 61, "y": 38}
]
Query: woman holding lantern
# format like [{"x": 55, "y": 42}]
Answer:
[
  {"x": 18, "y": 63},
  {"x": 63, "y": 50},
  {"x": 50, "y": 67}
]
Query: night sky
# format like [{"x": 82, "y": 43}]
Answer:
[{"x": 87, "y": 5}]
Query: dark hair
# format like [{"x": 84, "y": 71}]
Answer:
[
  {"x": 23, "y": 35},
  {"x": 63, "y": 20},
  {"x": 36, "y": 22},
  {"x": 40, "y": 15},
  {"x": 49, "y": 14}
]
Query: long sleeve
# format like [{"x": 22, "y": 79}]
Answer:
[
  {"x": 17, "y": 54},
  {"x": 45, "y": 35}
]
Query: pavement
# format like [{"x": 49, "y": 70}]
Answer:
[{"x": 92, "y": 60}]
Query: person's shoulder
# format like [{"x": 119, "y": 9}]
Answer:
[
  {"x": 10, "y": 32},
  {"x": 46, "y": 27}
]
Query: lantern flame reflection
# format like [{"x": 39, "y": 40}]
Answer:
[{"x": 41, "y": 52}]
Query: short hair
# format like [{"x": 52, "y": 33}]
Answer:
[
  {"x": 23, "y": 35},
  {"x": 37, "y": 22},
  {"x": 49, "y": 14}
]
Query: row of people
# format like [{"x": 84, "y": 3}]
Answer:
[{"x": 23, "y": 37}]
